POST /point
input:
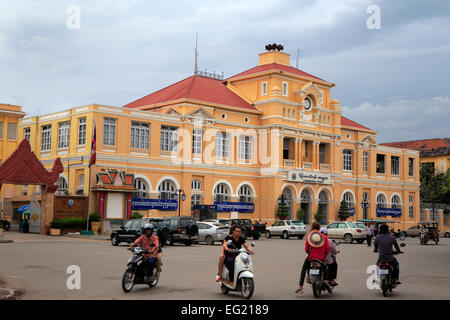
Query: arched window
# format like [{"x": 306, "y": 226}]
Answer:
[
  {"x": 305, "y": 196},
  {"x": 142, "y": 188},
  {"x": 221, "y": 192},
  {"x": 245, "y": 194},
  {"x": 396, "y": 202},
  {"x": 323, "y": 197},
  {"x": 167, "y": 190},
  {"x": 381, "y": 201},
  {"x": 348, "y": 198}
]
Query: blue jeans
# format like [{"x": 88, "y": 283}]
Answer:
[{"x": 151, "y": 265}]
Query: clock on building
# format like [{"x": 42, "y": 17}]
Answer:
[{"x": 307, "y": 104}]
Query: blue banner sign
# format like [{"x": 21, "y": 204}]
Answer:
[
  {"x": 243, "y": 207},
  {"x": 393, "y": 212},
  {"x": 154, "y": 204}
]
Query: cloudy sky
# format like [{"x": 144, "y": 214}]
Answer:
[{"x": 394, "y": 79}]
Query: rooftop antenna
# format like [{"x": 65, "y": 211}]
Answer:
[
  {"x": 298, "y": 56},
  {"x": 196, "y": 54}
]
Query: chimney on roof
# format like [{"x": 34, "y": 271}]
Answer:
[{"x": 274, "y": 55}]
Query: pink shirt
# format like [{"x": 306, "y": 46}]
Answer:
[{"x": 145, "y": 244}]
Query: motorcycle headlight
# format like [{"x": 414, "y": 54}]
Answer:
[{"x": 245, "y": 258}]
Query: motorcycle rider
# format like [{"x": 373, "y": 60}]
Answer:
[
  {"x": 330, "y": 259},
  {"x": 383, "y": 245},
  {"x": 146, "y": 240},
  {"x": 317, "y": 249},
  {"x": 238, "y": 241},
  {"x": 221, "y": 260}
]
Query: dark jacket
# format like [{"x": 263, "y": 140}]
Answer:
[{"x": 383, "y": 244}]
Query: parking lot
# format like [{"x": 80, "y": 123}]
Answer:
[{"x": 38, "y": 264}]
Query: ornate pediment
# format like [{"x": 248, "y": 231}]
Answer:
[
  {"x": 369, "y": 139},
  {"x": 311, "y": 88}
]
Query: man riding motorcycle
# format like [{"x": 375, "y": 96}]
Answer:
[
  {"x": 238, "y": 242},
  {"x": 383, "y": 245},
  {"x": 146, "y": 240},
  {"x": 317, "y": 247}
]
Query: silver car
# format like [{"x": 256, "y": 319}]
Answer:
[
  {"x": 212, "y": 231},
  {"x": 286, "y": 228}
]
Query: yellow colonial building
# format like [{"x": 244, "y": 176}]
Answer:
[{"x": 234, "y": 144}]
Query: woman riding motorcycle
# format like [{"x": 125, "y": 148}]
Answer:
[{"x": 330, "y": 259}]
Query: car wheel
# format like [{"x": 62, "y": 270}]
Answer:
[
  {"x": 268, "y": 235},
  {"x": 169, "y": 240},
  {"x": 348, "y": 238},
  {"x": 187, "y": 243},
  {"x": 115, "y": 240},
  {"x": 285, "y": 235},
  {"x": 209, "y": 240},
  {"x": 256, "y": 236},
  {"x": 447, "y": 235}
]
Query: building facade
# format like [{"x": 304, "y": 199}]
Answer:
[{"x": 235, "y": 144}]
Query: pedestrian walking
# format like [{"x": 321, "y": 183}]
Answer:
[{"x": 369, "y": 234}]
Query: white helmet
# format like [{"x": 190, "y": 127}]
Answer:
[
  {"x": 147, "y": 226},
  {"x": 324, "y": 230}
]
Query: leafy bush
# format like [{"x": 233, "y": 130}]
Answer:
[
  {"x": 61, "y": 223},
  {"x": 301, "y": 214},
  {"x": 94, "y": 217},
  {"x": 282, "y": 212},
  {"x": 319, "y": 215},
  {"x": 136, "y": 215},
  {"x": 343, "y": 210}
]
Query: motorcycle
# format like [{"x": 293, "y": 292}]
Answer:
[
  {"x": 5, "y": 225},
  {"x": 317, "y": 274},
  {"x": 136, "y": 271},
  {"x": 386, "y": 272},
  {"x": 243, "y": 274}
]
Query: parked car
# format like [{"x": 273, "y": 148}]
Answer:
[
  {"x": 211, "y": 231},
  {"x": 447, "y": 234},
  {"x": 348, "y": 231},
  {"x": 286, "y": 229},
  {"x": 413, "y": 231},
  {"x": 132, "y": 229},
  {"x": 249, "y": 229},
  {"x": 225, "y": 222},
  {"x": 181, "y": 229}
]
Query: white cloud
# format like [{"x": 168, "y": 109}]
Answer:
[{"x": 404, "y": 119}]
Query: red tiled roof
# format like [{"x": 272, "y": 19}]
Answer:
[
  {"x": 275, "y": 66},
  {"x": 427, "y": 144},
  {"x": 350, "y": 123},
  {"x": 195, "y": 88}
]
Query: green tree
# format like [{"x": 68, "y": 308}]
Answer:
[
  {"x": 136, "y": 215},
  {"x": 282, "y": 212},
  {"x": 343, "y": 210},
  {"x": 319, "y": 214},
  {"x": 434, "y": 187},
  {"x": 301, "y": 214}
]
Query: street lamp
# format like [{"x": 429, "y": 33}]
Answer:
[
  {"x": 283, "y": 202},
  {"x": 364, "y": 205},
  {"x": 180, "y": 195}
]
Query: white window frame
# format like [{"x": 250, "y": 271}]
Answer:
[
  {"x": 381, "y": 201},
  {"x": 46, "y": 137},
  {"x": 365, "y": 161},
  {"x": 245, "y": 194},
  {"x": 221, "y": 192},
  {"x": 140, "y": 135},
  {"x": 264, "y": 88},
  {"x": 167, "y": 190},
  {"x": 27, "y": 133},
  {"x": 197, "y": 137},
  {"x": 348, "y": 198},
  {"x": 347, "y": 159},
  {"x": 196, "y": 199},
  {"x": 396, "y": 201},
  {"x": 63, "y": 134},
  {"x": 245, "y": 147},
  {"x": 285, "y": 89},
  {"x": 63, "y": 185},
  {"x": 196, "y": 185},
  {"x": 169, "y": 138},
  {"x": 109, "y": 131},
  {"x": 222, "y": 144},
  {"x": 142, "y": 188},
  {"x": 82, "y": 131}
]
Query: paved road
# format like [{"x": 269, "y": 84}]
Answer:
[{"x": 38, "y": 264}]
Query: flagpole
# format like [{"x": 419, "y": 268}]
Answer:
[{"x": 90, "y": 170}]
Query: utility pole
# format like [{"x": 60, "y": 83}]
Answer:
[{"x": 196, "y": 54}]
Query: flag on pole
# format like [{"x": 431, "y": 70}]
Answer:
[{"x": 93, "y": 148}]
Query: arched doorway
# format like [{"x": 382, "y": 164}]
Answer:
[
  {"x": 305, "y": 204},
  {"x": 323, "y": 205},
  {"x": 289, "y": 196}
]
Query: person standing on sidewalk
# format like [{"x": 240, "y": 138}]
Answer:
[{"x": 369, "y": 233}]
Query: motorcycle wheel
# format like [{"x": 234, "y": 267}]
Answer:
[
  {"x": 316, "y": 286},
  {"x": 384, "y": 287},
  {"x": 128, "y": 280},
  {"x": 402, "y": 236},
  {"x": 268, "y": 235},
  {"x": 247, "y": 287}
]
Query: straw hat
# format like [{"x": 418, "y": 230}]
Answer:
[{"x": 315, "y": 239}]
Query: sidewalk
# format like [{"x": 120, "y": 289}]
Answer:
[
  {"x": 89, "y": 237},
  {"x": 15, "y": 236}
]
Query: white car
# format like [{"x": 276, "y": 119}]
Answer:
[
  {"x": 211, "y": 231},
  {"x": 286, "y": 229},
  {"x": 348, "y": 231}
]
